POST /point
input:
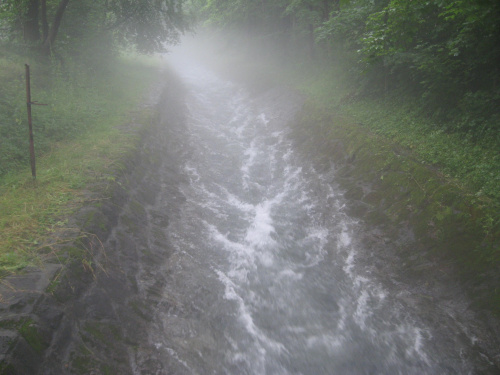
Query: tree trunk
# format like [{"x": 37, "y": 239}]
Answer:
[
  {"x": 31, "y": 27},
  {"x": 45, "y": 23},
  {"x": 51, "y": 37}
]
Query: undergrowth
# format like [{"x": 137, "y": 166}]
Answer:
[{"x": 78, "y": 140}]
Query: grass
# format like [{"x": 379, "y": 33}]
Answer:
[
  {"x": 32, "y": 211},
  {"x": 475, "y": 162}
]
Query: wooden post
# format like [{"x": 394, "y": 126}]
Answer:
[{"x": 30, "y": 125}]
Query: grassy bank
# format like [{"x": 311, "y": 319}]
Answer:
[
  {"x": 471, "y": 166},
  {"x": 80, "y": 140},
  {"x": 472, "y": 163}
]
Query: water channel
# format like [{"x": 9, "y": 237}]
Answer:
[{"x": 267, "y": 275}]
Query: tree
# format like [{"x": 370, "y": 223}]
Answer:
[
  {"x": 31, "y": 29},
  {"x": 146, "y": 24},
  {"x": 444, "y": 53},
  {"x": 32, "y": 15},
  {"x": 448, "y": 51},
  {"x": 51, "y": 33}
]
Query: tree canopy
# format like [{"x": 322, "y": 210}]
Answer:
[
  {"x": 447, "y": 53},
  {"x": 149, "y": 25}
]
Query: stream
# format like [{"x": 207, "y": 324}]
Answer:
[{"x": 268, "y": 273}]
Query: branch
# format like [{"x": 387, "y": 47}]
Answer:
[{"x": 45, "y": 23}]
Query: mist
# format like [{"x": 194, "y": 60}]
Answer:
[{"x": 237, "y": 187}]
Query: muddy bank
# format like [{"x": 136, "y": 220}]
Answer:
[{"x": 87, "y": 310}]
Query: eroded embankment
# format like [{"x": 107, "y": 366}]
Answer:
[
  {"x": 425, "y": 235},
  {"x": 90, "y": 314}
]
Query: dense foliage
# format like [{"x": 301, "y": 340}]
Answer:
[{"x": 446, "y": 54}]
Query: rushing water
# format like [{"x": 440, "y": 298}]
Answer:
[{"x": 266, "y": 276}]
